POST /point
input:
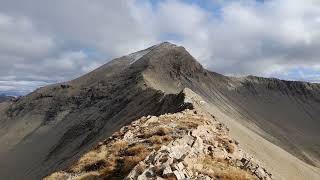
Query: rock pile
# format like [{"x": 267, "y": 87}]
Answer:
[
  {"x": 191, "y": 155},
  {"x": 184, "y": 145}
]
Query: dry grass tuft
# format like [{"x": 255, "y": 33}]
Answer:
[
  {"x": 230, "y": 148},
  {"x": 235, "y": 174},
  {"x": 114, "y": 160},
  {"x": 110, "y": 166},
  {"x": 95, "y": 166},
  {"x": 57, "y": 175},
  {"x": 187, "y": 124},
  {"x": 162, "y": 131},
  {"x": 122, "y": 162},
  {"x": 160, "y": 139},
  {"x": 220, "y": 169},
  {"x": 103, "y": 159},
  {"x": 228, "y": 144},
  {"x": 129, "y": 162},
  {"x": 132, "y": 156},
  {"x": 118, "y": 146},
  {"x": 155, "y": 140},
  {"x": 136, "y": 150},
  {"x": 87, "y": 160},
  {"x": 167, "y": 138},
  {"x": 88, "y": 176},
  {"x": 154, "y": 124}
]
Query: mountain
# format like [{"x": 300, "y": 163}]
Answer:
[
  {"x": 48, "y": 130},
  {"x": 4, "y": 98}
]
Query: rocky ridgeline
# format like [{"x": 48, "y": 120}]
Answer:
[{"x": 184, "y": 145}]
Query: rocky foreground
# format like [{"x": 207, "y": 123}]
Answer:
[{"x": 186, "y": 145}]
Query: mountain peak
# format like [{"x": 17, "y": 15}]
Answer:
[
  {"x": 134, "y": 57},
  {"x": 60, "y": 122},
  {"x": 164, "y": 54},
  {"x": 166, "y": 43}
]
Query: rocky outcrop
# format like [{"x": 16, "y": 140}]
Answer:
[
  {"x": 185, "y": 145},
  {"x": 206, "y": 152}
]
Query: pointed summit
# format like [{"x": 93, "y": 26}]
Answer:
[
  {"x": 167, "y": 44},
  {"x": 62, "y": 121},
  {"x": 136, "y": 56},
  {"x": 169, "y": 54}
]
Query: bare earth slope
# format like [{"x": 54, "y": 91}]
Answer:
[
  {"x": 45, "y": 130},
  {"x": 287, "y": 112},
  {"x": 50, "y": 128}
]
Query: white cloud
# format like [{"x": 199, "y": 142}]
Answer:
[
  {"x": 255, "y": 38},
  {"x": 19, "y": 37},
  {"x": 13, "y": 87},
  {"x": 50, "y": 41}
]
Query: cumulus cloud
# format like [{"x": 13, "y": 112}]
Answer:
[
  {"x": 19, "y": 37},
  {"x": 259, "y": 38},
  {"x": 50, "y": 41},
  {"x": 57, "y": 41}
]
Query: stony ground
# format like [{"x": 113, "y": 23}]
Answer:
[{"x": 184, "y": 145}]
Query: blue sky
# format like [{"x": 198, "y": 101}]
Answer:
[
  {"x": 205, "y": 4},
  {"x": 44, "y": 42}
]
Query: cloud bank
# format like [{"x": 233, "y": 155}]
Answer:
[{"x": 44, "y": 42}]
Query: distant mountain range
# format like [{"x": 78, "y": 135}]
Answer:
[{"x": 4, "y": 97}]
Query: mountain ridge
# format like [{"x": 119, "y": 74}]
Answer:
[
  {"x": 300, "y": 92},
  {"x": 58, "y": 123},
  {"x": 173, "y": 145}
]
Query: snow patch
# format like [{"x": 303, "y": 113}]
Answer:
[{"x": 134, "y": 57}]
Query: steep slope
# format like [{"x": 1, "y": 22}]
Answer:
[
  {"x": 285, "y": 113},
  {"x": 50, "y": 128},
  {"x": 47, "y": 129},
  {"x": 190, "y": 144},
  {"x": 288, "y": 112}
]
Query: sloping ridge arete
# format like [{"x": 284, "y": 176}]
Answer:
[{"x": 48, "y": 130}]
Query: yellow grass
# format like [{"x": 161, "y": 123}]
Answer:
[{"x": 218, "y": 168}]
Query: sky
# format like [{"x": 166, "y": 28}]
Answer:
[{"x": 43, "y": 42}]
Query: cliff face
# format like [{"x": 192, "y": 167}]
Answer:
[{"x": 49, "y": 129}]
